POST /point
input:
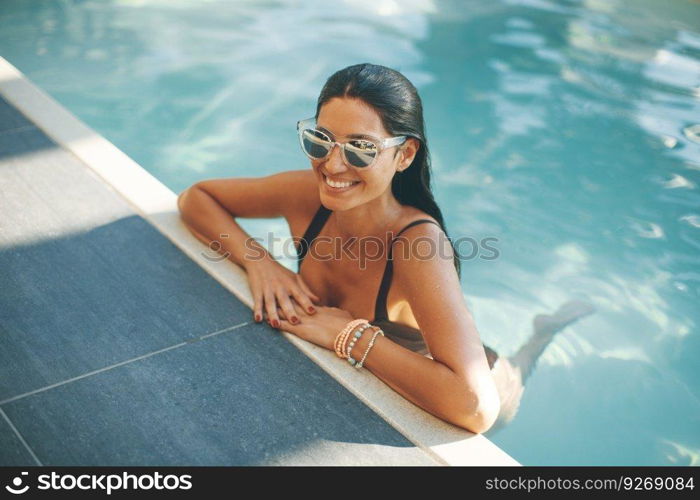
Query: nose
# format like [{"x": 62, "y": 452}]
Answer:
[{"x": 334, "y": 161}]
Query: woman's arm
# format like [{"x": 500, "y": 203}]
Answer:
[
  {"x": 210, "y": 223},
  {"x": 456, "y": 385},
  {"x": 208, "y": 209}
]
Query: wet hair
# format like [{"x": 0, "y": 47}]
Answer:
[{"x": 399, "y": 106}]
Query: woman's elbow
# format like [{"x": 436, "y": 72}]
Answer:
[
  {"x": 481, "y": 416},
  {"x": 183, "y": 199},
  {"x": 484, "y": 420},
  {"x": 179, "y": 200}
]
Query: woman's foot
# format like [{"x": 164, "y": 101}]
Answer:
[
  {"x": 544, "y": 328},
  {"x": 567, "y": 313}
]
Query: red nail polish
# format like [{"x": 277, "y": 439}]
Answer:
[
  {"x": 257, "y": 317},
  {"x": 295, "y": 320},
  {"x": 312, "y": 309}
]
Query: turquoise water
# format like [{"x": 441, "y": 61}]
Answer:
[{"x": 564, "y": 129}]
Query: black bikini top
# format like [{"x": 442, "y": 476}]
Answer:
[{"x": 404, "y": 335}]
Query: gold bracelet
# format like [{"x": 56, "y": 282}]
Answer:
[{"x": 371, "y": 343}]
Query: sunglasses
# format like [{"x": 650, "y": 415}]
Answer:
[{"x": 357, "y": 153}]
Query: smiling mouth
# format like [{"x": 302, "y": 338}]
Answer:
[{"x": 338, "y": 186}]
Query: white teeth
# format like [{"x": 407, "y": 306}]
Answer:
[{"x": 339, "y": 184}]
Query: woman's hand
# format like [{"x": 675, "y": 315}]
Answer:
[
  {"x": 272, "y": 285},
  {"x": 321, "y": 328}
]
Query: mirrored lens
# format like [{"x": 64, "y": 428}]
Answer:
[
  {"x": 360, "y": 153},
  {"x": 315, "y": 143}
]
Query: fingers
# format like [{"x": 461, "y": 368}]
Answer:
[
  {"x": 288, "y": 308},
  {"x": 308, "y": 292},
  {"x": 257, "y": 307},
  {"x": 275, "y": 305},
  {"x": 271, "y": 309},
  {"x": 303, "y": 300},
  {"x": 304, "y": 297}
]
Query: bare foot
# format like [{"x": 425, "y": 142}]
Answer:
[
  {"x": 545, "y": 326},
  {"x": 567, "y": 313}
]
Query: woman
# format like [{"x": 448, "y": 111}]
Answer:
[{"x": 369, "y": 194}]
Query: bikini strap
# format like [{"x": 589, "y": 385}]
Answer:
[
  {"x": 312, "y": 231},
  {"x": 380, "y": 309}
]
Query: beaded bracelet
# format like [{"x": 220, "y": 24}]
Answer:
[
  {"x": 342, "y": 336},
  {"x": 355, "y": 338},
  {"x": 338, "y": 339},
  {"x": 347, "y": 331},
  {"x": 371, "y": 343}
]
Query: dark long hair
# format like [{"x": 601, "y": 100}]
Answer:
[{"x": 399, "y": 106}]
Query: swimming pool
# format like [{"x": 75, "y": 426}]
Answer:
[{"x": 564, "y": 129}]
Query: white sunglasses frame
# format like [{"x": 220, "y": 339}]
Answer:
[{"x": 381, "y": 144}]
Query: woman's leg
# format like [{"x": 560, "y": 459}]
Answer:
[
  {"x": 545, "y": 326},
  {"x": 511, "y": 373}
]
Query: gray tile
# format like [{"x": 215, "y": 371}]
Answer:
[
  {"x": 12, "y": 451},
  {"x": 11, "y": 118},
  {"x": 21, "y": 141},
  {"x": 85, "y": 283},
  {"x": 76, "y": 304},
  {"x": 240, "y": 398}
]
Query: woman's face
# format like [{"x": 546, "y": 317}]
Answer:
[{"x": 340, "y": 117}]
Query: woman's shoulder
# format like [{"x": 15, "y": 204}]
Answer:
[
  {"x": 411, "y": 240},
  {"x": 412, "y": 214}
]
